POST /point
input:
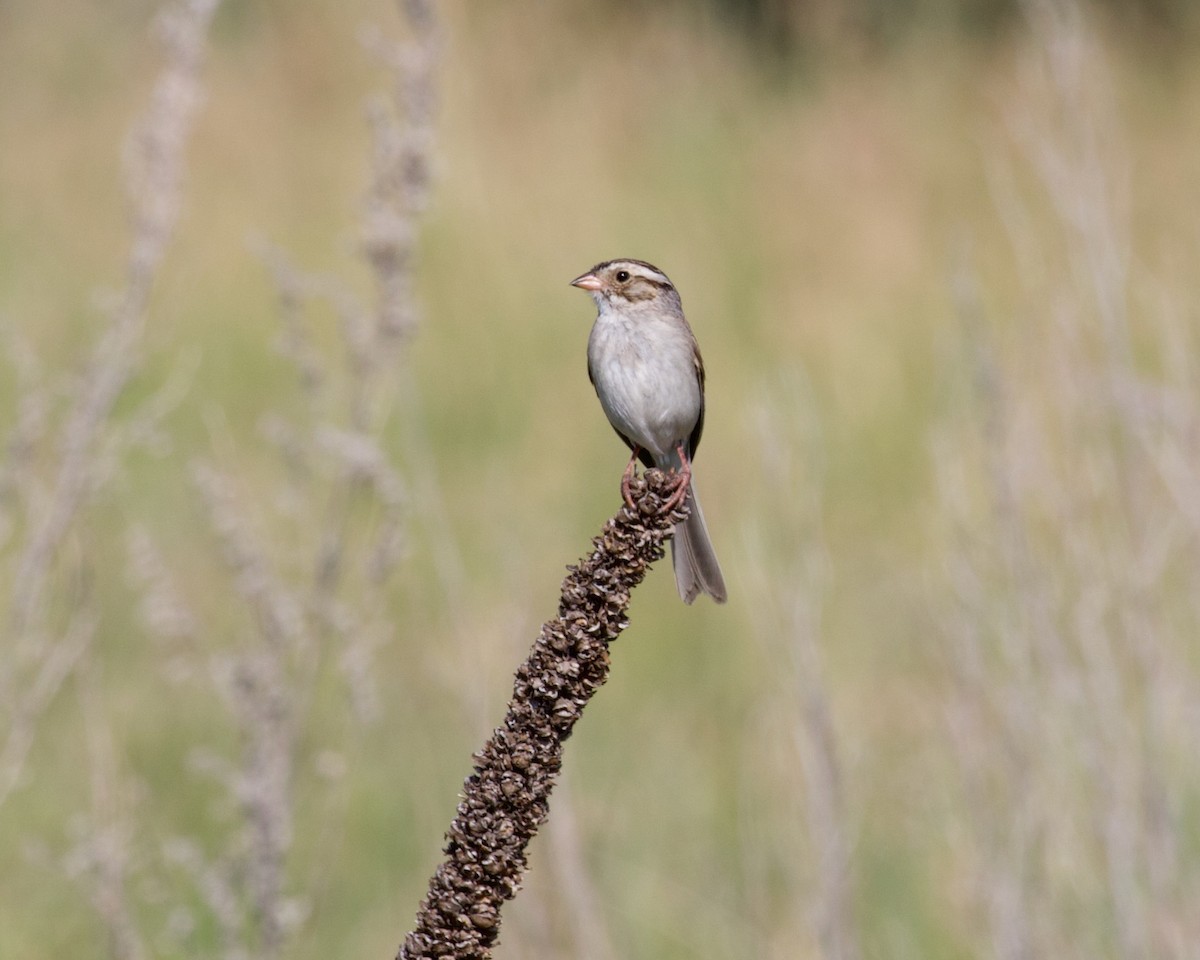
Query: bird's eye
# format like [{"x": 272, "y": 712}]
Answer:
[{"x": 622, "y": 276}]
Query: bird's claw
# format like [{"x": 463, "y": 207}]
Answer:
[
  {"x": 677, "y": 495},
  {"x": 683, "y": 480}
]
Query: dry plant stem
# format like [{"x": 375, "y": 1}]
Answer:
[
  {"x": 1073, "y": 654},
  {"x": 106, "y": 851},
  {"x": 791, "y": 608},
  {"x": 579, "y": 897},
  {"x": 506, "y": 799},
  {"x": 817, "y": 747},
  {"x": 403, "y": 139},
  {"x": 58, "y": 660},
  {"x": 154, "y": 171}
]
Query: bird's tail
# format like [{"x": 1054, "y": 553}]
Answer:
[{"x": 696, "y": 568}]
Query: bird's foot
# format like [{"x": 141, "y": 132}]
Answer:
[{"x": 682, "y": 480}]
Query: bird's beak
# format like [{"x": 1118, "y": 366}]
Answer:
[{"x": 588, "y": 281}]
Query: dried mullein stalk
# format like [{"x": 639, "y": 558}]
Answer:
[{"x": 507, "y": 797}]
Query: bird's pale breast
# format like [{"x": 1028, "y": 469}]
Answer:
[{"x": 646, "y": 380}]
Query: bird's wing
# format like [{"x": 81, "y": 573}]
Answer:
[{"x": 698, "y": 363}]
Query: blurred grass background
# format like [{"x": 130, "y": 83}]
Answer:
[{"x": 812, "y": 183}]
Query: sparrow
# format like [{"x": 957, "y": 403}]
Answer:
[{"x": 645, "y": 364}]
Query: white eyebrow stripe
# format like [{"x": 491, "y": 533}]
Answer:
[{"x": 640, "y": 270}]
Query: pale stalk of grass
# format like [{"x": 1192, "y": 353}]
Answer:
[
  {"x": 154, "y": 163},
  {"x": 87, "y": 449},
  {"x": 218, "y": 890},
  {"x": 1064, "y": 650},
  {"x": 402, "y": 159},
  {"x": 1092, "y": 206},
  {"x": 262, "y": 688},
  {"x": 799, "y": 570},
  {"x": 397, "y": 196},
  {"x": 163, "y": 611},
  {"x": 580, "y": 898},
  {"x": 29, "y": 426},
  {"x": 1005, "y": 820},
  {"x": 103, "y": 856},
  {"x": 1003, "y": 823},
  {"x": 817, "y": 747},
  {"x": 56, "y": 661},
  {"x": 334, "y": 461}
]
